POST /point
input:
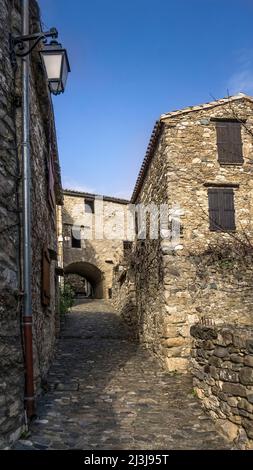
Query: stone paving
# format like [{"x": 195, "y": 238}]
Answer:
[{"x": 106, "y": 392}]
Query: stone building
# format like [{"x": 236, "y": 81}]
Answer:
[
  {"x": 45, "y": 194},
  {"x": 199, "y": 161},
  {"x": 94, "y": 231}
]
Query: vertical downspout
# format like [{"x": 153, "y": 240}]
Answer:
[{"x": 27, "y": 306}]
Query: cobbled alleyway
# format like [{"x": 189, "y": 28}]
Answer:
[{"x": 106, "y": 392}]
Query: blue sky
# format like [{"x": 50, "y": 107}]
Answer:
[{"x": 131, "y": 61}]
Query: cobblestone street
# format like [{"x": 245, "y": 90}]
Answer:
[{"x": 105, "y": 392}]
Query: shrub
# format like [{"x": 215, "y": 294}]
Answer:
[{"x": 67, "y": 296}]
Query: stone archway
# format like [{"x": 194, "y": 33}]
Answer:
[{"x": 90, "y": 272}]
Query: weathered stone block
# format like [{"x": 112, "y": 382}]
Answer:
[
  {"x": 229, "y": 376},
  {"x": 232, "y": 401},
  {"x": 214, "y": 372},
  {"x": 236, "y": 358},
  {"x": 230, "y": 430},
  {"x": 248, "y": 361},
  {"x": 249, "y": 346},
  {"x": 236, "y": 419},
  {"x": 234, "y": 389},
  {"x": 245, "y": 405},
  {"x": 220, "y": 395},
  {"x": 210, "y": 381},
  {"x": 246, "y": 375},
  {"x": 225, "y": 408},
  {"x": 174, "y": 342},
  {"x": 169, "y": 331},
  {"x": 226, "y": 364},
  {"x": 220, "y": 352},
  {"x": 203, "y": 332},
  {"x": 215, "y": 361},
  {"x": 208, "y": 345},
  {"x": 199, "y": 392},
  {"x": 239, "y": 341},
  {"x": 177, "y": 364},
  {"x": 211, "y": 403},
  {"x": 224, "y": 338},
  {"x": 250, "y": 397},
  {"x": 248, "y": 425}
]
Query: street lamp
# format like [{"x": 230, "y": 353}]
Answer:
[
  {"x": 53, "y": 56},
  {"x": 57, "y": 67},
  {"x": 56, "y": 64}
]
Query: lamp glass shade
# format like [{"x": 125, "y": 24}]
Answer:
[
  {"x": 53, "y": 63},
  {"x": 55, "y": 87}
]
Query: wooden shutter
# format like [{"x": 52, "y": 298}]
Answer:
[
  {"x": 214, "y": 216},
  {"x": 221, "y": 209},
  {"x": 222, "y": 142},
  {"x": 51, "y": 183},
  {"x": 45, "y": 298},
  {"x": 229, "y": 142},
  {"x": 235, "y": 139},
  {"x": 228, "y": 211}
]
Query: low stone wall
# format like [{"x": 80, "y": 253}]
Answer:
[{"x": 222, "y": 366}]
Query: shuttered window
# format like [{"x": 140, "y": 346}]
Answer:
[
  {"x": 221, "y": 209},
  {"x": 76, "y": 237},
  {"x": 45, "y": 294},
  {"x": 89, "y": 206},
  {"x": 229, "y": 142}
]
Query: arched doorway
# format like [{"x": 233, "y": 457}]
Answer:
[{"x": 91, "y": 273}]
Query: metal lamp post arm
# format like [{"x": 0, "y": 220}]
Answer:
[{"x": 18, "y": 42}]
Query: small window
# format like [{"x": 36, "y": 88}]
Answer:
[
  {"x": 89, "y": 207},
  {"x": 221, "y": 209},
  {"x": 229, "y": 142},
  {"x": 76, "y": 238},
  {"x": 110, "y": 293},
  {"x": 136, "y": 224}
]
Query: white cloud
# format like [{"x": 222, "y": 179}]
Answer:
[
  {"x": 68, "y": 183},
  {"x": 125, "y": 194},
  {"x": 242, "y": 79}
]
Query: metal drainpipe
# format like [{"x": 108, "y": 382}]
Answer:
[{"x": 27, "y": 306}]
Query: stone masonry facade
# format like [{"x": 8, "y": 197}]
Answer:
[
  {"x": 97, "y": 251},
  {"x": 206, "y": 274},
  {"x": 43, "y": 151}
]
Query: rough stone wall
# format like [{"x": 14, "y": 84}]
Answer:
[
  {"x": 44, "y": 232},
  {"x": 212, "y": 277},
  {"x": 147, "y": 258},
  {"x": 207, "y": 274},
  {"x": 102, "y": 251},
  {"x": 11, "y": 359},
  {"x": 222, "y": 366},
  {"x": 140, "y": 289},
  {"x": 43, "y": 223}
]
